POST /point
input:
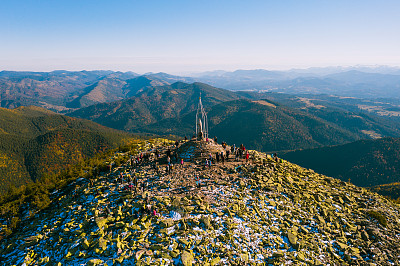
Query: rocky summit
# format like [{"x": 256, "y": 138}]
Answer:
[{"x": 260, "y": 211}]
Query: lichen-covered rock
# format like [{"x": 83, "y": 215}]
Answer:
[
  {"x": 187, "y": 258},
  {"x": 94, "y": 262},
  {"x": 259, "y": 213}
]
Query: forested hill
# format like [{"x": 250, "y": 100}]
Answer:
[
  {"x": 35, "y": 142},
  {"x": 365, "y": 162},
  {"x": 154, "y": 104}
]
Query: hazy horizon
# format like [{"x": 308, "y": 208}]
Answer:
[
  {"x": 190, "y": 73},
  {"x": 186, "y": 37}
]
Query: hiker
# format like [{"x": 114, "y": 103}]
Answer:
[
  {"x": 148, "y": 209},
  {"x": 247, "y": 156},
  {"x": 185, "y": 138},
  {"x": 169, "y": 160},
  {"x": 217, "y": 156},
  {"x": 121, "y": 177},
  {"x": 135, "y": 182},
  {"x": 197, "y": 179},
  {"x": 155, "y": 212},
  {"x": 210, "y": 157},
  {"x": 143, "y": 186},
  {"x": 181, "y": 163},
  {"x": 167, "y": 169}
]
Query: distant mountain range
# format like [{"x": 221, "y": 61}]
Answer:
[
  {"x": 35, "y": 142},
  {"x": 351, "y": 83},
  {"x": 365, "y": 162},
  {"x": 62, "y": 91}
]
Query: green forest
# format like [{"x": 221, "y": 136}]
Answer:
[
  {"x": 35, "y": 142},
  {"x": 365, "y": 163}
]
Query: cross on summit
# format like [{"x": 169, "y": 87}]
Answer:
[{"x": 201, "y": 122}]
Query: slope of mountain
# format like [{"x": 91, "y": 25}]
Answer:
[
  {"x": 365, "y": 162},
  {"x": 105, "y": 90},
  {"x": 260, "y": 212},
  {"x": 62, "y": 90},
  {"x": 35, "y": 142},
  {"x": 116, "y": 87},
  {"x": 376, "y": 118},
  {"x": 49, "y": 89},
  {"x": 154, "y": 104}
]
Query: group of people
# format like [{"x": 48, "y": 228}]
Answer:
[{"x": 240, "y": 153}]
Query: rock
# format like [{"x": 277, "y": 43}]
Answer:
[
  {"x": 206, "y": 221},
  {"x": 167, "y": 222},
  {"x": 300, "y": 256},
  {"x": 342, "y": 245},
  {"x": 244, "y": 257},
  {"x": 139, "y": 254},
  {"x": 292, "y": 238},
  {"x": 364, "y": 235},
  {"x": 85, "y": 244},
  {"x": 187, "y": 258},
  {"x": 215, "y": 261},
  {"x": 94, "y": 262}
]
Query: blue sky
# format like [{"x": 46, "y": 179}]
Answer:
[{"x": 185, "y": 36}]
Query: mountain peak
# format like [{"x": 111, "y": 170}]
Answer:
[{"x": 260, "y": 210}]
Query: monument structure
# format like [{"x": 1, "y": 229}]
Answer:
[{"x": 201, "y": 122}]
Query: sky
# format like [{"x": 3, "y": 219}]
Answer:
[{"x": 179, "y": 37}]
